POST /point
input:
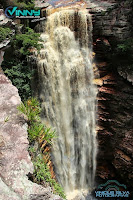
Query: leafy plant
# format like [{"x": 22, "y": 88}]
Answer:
[
  {"x": 6, "y": 119},
  {"x": 31, "y": 109},
  {"x": 25, "y": 4},
  {"x": 20, "y": 74},
  {"x": 38, "y": 131},
  {"x": 18, "y": 69},
  {"x": 42, "y": 173},
  {"x": 126, "y": 46},
  {"x": 48, "y": 135},
  {"x": 35, "y": 131},
  {"x": 32, "y": 149},
  {"x": 4, "y": 33},
  {"x": 24, "y": 42}
]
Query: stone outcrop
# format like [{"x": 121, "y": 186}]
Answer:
[
  {"x": 41, "y": 4},
  {"x": 15, "y": 162},
  {"x": 115, "y": 96},
  {"x": 4, "y": 21}
]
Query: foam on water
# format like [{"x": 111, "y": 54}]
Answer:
[{"x": 68, "y": 98}]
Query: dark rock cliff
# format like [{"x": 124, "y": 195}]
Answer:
[{"x": 115, "y": 93}]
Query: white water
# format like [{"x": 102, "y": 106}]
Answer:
[{"x": 68, "y": 98}]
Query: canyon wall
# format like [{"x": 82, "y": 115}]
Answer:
[{"x": 115, "y": 96}]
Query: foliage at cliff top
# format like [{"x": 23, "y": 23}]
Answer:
[
  {"x": 24, "y": 42},
  {"x": 26, "y": 4},
  {"x": 16, "y": 66},
  {"x": 4, "y": 33}
]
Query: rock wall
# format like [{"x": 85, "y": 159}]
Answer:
[
  {"x": 115, "y": 97},
  {"x": 15, "y": 162}
]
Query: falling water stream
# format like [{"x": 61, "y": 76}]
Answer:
[{"x": 68, "y": 97}]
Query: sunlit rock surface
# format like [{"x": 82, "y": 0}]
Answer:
[
  {"x": 67, "y": 3},
  {"x": 15, "y": 162},
  {"x": 91, "y": 5}
]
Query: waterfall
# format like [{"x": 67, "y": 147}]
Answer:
[{"x": 68, "y": 96}]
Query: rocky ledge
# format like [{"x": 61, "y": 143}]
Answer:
[{"x": 15, "y": 162}]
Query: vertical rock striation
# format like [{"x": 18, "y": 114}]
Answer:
[{"x": 115, "y": 97}]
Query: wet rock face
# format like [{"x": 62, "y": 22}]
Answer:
[
  {"x": 114, "y": 22},
  {"x": 115, "y": 97},
  {"x": 15, "y": 162}
]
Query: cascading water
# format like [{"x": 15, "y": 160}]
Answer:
[{"x": 68, "y": 97}]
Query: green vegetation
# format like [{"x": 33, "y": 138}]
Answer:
[
  {"x": 126, "y": 46},
  {"x": 42, "y": 173},
  {"x": 36, "y": 129},
  {"x": 20, "y": 74},
  {"x": 4, "y": 33},
  {"x": 25, "y": 4},
  {"x": 31, "y": 109},
  {"x": 17, "y": 68},
  {"x": 24, "y": 42},
  {"x": 6, "y": 119},
  {"x": 36, "y": 132}
]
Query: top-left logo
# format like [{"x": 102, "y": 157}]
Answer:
[{"x": 13, "y": 12}]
